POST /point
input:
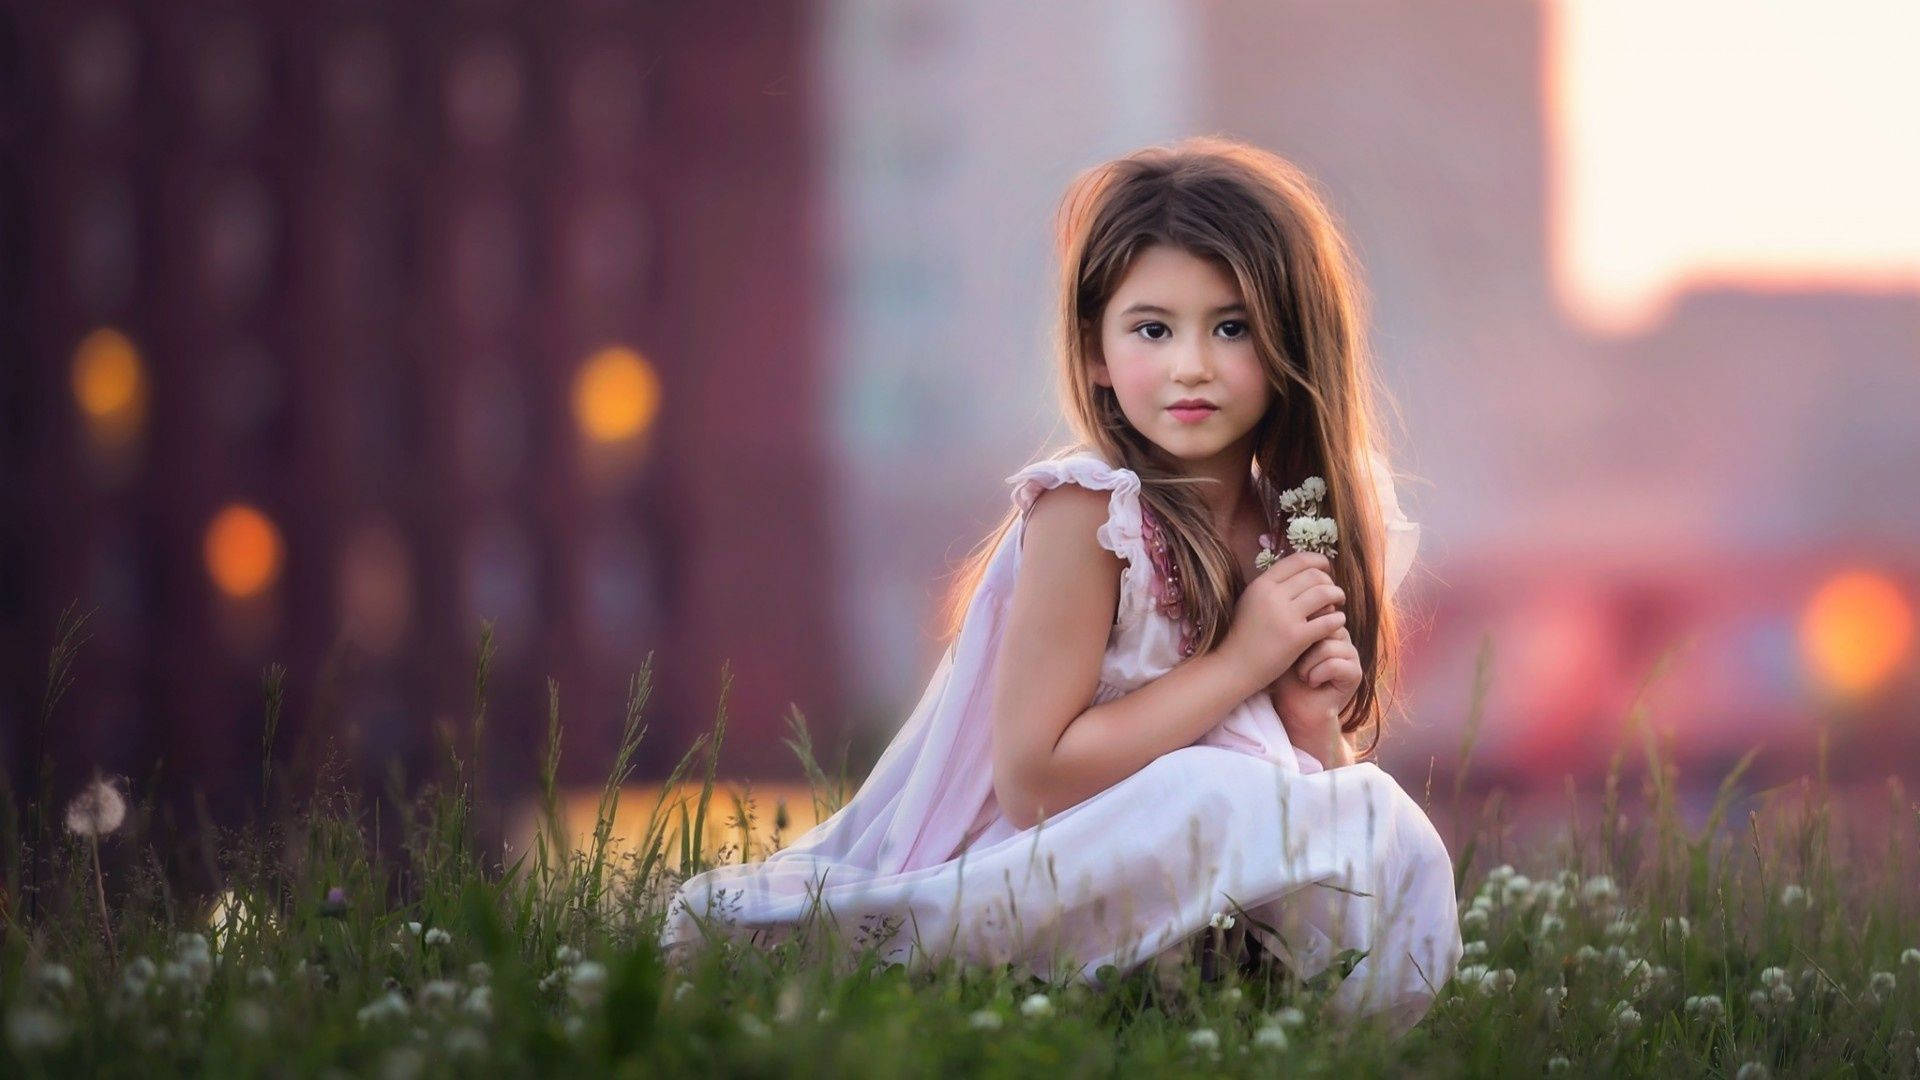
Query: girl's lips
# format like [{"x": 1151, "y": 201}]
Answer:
[{"x": 1192, "y": 414}]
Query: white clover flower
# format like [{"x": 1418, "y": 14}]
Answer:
[
  {"x": 1312, "y": 533},
  {"x": 1519, "y": 889},
  {"x": 1793, "y": 896},
  {"x": 1221, "y": 921},
  {"x": 438, "y": 992},
  {"x": 1270, "y": 1037},
  {"x": 1474, "y": 921},
  {"x": 1558, "y": 1063},
  {"x": 787, "y": 1007},
  {"x": 1551, "y": 925},
  {"x": 31, "y": 1028},
  {"x": 1473, "y": 950},
  {"x": 1638, "y": 973},
  {"x": 1289, "y": 1016},
  {"x": 1773, "y": 976},
  {"x": 566, "y": 954},
  {"x": 681, "y": 991},
  {"x": 1498, "y": 981},
  {"x": 1232, "y": 995},
  {"x": 1549, "y": 893},
  {"x": 1782, "y": 994},
  {"x": 1470, "y": 974},
  {"x": 97, "y": 810},
  {"x": 1625, "y": 1016},
  {"x": 1482, "y": 903},
  {"x": 260, "y": 978},
  {"x": 825, "y": 1014},
  {"x": 1910, "y": 958},
  {"x": 1203, "y": 1039},
  {"x": 1752, "y": 1070},
  {"x": 1313, "y": 488},
  {"x": 189, "y": 943},
  {"x": 1554, "y": 995},
  {"x": 985, "y": 1020},
  {"x": 1880, "y": 985},
  {"x": 1037, "y": 1005},
  {"x": 414, "y": 929},
  {"x": 1706, "y": 1006},
  {"x": 479, "y": 1002},
  {"x": 388, "y": 1006},
  {"x": 1677, "y": 925},
  {"x": 54, "y": 977},
  {"x": 1586, "y": 954},
  {"x": 1598, "y": 889},
  {"x": 463, "y": 1041},
  {"x": 436, "y": 936},
  {"x": 479, "y": 973},
  {"x": 252, "y": 1018},
  {"x": 1624, "y": 926},
  {"x": 556, "y": 977},
  {"x": 140, "y": 969},
  {"x": 589, "y": 982},
  {"x": 754, "y": 1026},
  {"x": 1618, "y": 955},
  {"x": 1760, "y": 1001}
]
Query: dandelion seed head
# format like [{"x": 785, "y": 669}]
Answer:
[{"x": 98, "y": 809}]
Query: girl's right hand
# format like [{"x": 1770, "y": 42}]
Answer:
[{"x": 1275, "y": 621}]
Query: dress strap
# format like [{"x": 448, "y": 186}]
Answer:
[{"x": 1121, "y": 533}]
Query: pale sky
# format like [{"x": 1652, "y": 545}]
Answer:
[{"x": 1750, "y": 141}]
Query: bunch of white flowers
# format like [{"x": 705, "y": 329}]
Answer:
[{"x": 1306, "y": 529}]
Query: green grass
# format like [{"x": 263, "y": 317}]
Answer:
[{"x": 334, "y": 959}]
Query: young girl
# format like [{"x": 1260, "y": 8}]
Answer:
[{"x": 1137, "y": 732}]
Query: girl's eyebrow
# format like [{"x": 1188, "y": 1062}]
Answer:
[{"x": 1155, "y": 309}]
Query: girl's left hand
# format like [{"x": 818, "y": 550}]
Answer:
[{"x": 1311, "y": 694}]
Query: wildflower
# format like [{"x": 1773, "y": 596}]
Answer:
[
  {"x": 436, "y": 936},
  {"x": 402, "y": 1062},
  {"x": 413, "y": 928},
  {"x": 1558, "y": 1063},
  {"x": 754, "y": 1026},
  {"x": 1882, "y": 982},
  {"x": 1494, "y": 982},
  {"x": 1270, "y": 1037},
  {"x": 1752, "y": 1070},
  {"x": 1598, "y": 889},
  {"x": 1910, "y": 958},
  {"x": 1482, "y": 903},
  {"x": 1586, "y": 954},
  {"x": 437, "y": 992},
  {"x": 1314, "y": 488},
  {"x": 30, "y": 1028},
  {"x": 589, "y": 982},
  {"x": 334, "y": 906},
  {"x": 1288, "y": 1016},
  {"x": 1519, "y": 889},
  {"x": 1221, "y": 921},
  {"x": 1781, "y": 994},
  {"x": 682, "y": 990},
  {"x": 55, "y": 977},
  {"x": 260, "y": 978},
  {"x": 1619, "y": 956},
  {"x": 787, "y": 1008},
  {"x": 985, "y": 1020},
  {"x": 1551, "y": 925},
  {"x": 1470, "y": 974},
  {"x": 252, "y": 1018},
  {"x": 1676, "y": 926},
  {"x": 1773, "y": 976},
  {"x": 388, "y": 1006},
  {"x": 574, "y": 1025},
  {"x": 1554, "y": 995},
  {"x": 1707, "y": 1007},
  {"x": 1638, "y": 974},
  {"x": 466, "y": 1040},
  {"x": 1313, "y": 534},
  {"x": 1624, "y": 926},
  {"x": 1625, "y": 1016},
  {"x": 480, "y": 1002},
  {"x": 141, "y": 970},
  {"x": 1232, "y": 995},
  {"x": 97, "y": 810},
  {"x": 1203, "y": 1039},
  {"x": 566, "y": 954},
  {"x": 479, "y": 973},
  {"x": 1793, "y": 896},
  {"x": 1549, "y": 893},
  {"x": 1473, "y": 950},
  {"x": 1037, "y": 1005},
  {"x": 1760, "y": 1001},
  {"x": 825, "y": 1014},
  {"x": 1474, "y": 921}
]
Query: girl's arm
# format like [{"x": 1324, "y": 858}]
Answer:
[{"x": 1051, "y": 751}]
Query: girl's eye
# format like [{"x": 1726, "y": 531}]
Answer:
[{"x": 1239, "y": 323}]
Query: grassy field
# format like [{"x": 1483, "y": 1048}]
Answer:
[{"x": 1764, "y": 940}]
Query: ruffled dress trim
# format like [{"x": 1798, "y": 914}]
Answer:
[{"x": 1120, "y": 533}]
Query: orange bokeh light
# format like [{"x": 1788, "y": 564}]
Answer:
[
  {"x": 1856, "y": 631},
  {"x": 110, "y": 384},
  {"x": 615, "y": 395},
  {"x": 243, "y": 551}
]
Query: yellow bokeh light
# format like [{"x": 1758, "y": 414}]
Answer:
[
  {"x": 243, "y": 551},
  {"x": 1856, "y": 631},
  {"x": 615, "y": 395},
  {"x": 110, "y": 383}
]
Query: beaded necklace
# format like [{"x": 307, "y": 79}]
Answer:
[{"x": 1167, "y": 594}]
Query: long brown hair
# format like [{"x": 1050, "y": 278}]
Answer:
[{"x": 1261, "y": 219}]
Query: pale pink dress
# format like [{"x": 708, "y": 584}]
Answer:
[{"x": 1332, "y": 859}]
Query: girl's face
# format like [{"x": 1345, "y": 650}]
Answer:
[{"x": 1176, "y": 330}]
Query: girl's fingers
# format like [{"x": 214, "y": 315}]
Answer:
[{"x": 1331, "y": 669}]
